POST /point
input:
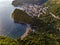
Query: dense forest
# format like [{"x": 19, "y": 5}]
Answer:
[
  {"x": 47, "y": 28},
  {"x": 7, "y": 41},
  {"x": 20, "y": 16}
]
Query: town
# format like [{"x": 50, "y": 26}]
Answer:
[{"x": 35, "y": 10}]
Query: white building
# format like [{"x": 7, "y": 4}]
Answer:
[{"x": 35, "y": 10}]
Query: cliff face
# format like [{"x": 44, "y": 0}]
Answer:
[
  {"x": 20, "y": 16},
  {"x": 21, "y": 2}
]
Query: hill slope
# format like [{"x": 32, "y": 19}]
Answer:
[{"x": 22, "y": 2}]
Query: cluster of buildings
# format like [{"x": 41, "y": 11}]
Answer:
[{"x": 35, "y": 10}]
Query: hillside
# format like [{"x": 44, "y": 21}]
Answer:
[
  {"x": 47, "y": 28},
  {"x": 54, "y": 6},
  {"x": 22, "y": 2}
]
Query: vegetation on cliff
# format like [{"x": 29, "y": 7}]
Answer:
[
  {"x": 47, "y": 29},
  {"x": 54, "y": 6},
  {"x": 46, "y": 32},
  {"x": 7, "y": 41}
]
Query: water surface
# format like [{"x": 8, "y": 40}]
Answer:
[{"x": 7, "y": 25}]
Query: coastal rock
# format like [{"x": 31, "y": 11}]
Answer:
[{"x": 20, "y": 16}]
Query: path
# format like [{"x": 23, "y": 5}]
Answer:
[
  {"x": 26, "y": 33},
  {"x": 56, "y": 17}
]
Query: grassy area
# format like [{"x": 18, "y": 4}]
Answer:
[
  {"x": 54, "y": 6},
  {"x": 7, "y": 41}
]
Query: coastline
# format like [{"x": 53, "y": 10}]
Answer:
[{"x": 28, "y": 29}]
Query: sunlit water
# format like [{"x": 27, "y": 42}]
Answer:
[{"x": 7, "y": 25}]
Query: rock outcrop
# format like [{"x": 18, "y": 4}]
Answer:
[{"x": 20, "y": 16}]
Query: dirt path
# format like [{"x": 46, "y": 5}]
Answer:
[
  {"x": 56, "y": 17},
  {"x": 28, "y": 29}
]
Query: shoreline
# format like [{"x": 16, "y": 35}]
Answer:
[{"x": 28, "y": 29}]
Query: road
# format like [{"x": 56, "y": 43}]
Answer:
[{"x": 56, "y": 17}]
